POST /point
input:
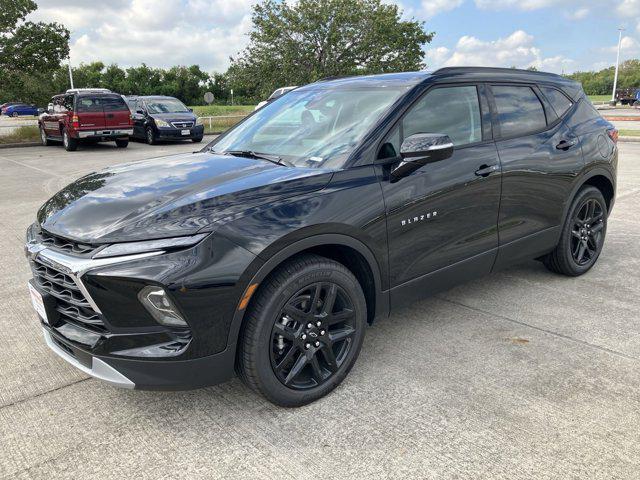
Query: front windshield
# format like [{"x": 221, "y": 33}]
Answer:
[
  {"x": 166, "y": 106},
  {"x": 313, "y": 127}
]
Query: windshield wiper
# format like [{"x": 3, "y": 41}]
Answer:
[{"x": 262, "y": 156}]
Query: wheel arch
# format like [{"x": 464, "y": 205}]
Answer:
[
  {"x": 347, "y": 250},
  {"x": 600, "y": 178}
]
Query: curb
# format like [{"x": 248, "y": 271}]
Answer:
[{"x": 629, "y": 139}]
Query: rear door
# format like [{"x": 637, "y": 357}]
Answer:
[
  {"x": 90, "y": 112},
  {"x": 116, "y": 112},
  {"x": 540, "y": 157}
]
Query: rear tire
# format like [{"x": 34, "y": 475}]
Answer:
[
  {"x": 150, "y": 136},
  {"x": 582, "y": 235},
  {"x": 303, "y": 331},
  {"x": 122, "y": 142},
  {"x": 14, "y": 114},
  {"x": 70, "y": 144}
]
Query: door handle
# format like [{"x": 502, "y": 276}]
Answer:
[
  {"x": 486, "y": 170},
  {"x": 566, "y": 144}
]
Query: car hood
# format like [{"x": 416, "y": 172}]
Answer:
[
  {"x": 170, "y": 196},
  {"x": 174, "y": 117}
]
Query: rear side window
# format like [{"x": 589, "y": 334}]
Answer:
[
  {"x": 453, "y": 111},
  {"x": 557, "y": 99},
  {"x": 520, "y": 111}
]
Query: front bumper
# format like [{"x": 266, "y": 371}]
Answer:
[
  {"x": 95, "y": 321},
  {"x": 106, "y": 133},
  {"x": 171, "y": 133},
  {"x": 146, "y": 375}
]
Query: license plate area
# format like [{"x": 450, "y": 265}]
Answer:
[
  {"x": 186, "y": 132},
  {"x": 37, "y": 301}
]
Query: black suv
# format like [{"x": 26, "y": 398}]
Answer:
[
  {"x": 269, "y": 251},
  {"x": 158, "y": 118}
]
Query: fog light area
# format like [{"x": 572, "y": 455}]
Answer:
[{"x": 160, "y": 306}]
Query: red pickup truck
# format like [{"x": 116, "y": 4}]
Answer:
[{"x": 95, "y": 114}]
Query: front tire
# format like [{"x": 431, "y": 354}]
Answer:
[
  {"x": 303, "y": 331},
  {"x": 43, "y": 137},
  {"x": 14, "y": 114},
  {"x": 582, "y": 235},
  {"x": 150, "y": 136},
  {"x": 70, "y": 144},
  {"x": 196, "y": 140}
]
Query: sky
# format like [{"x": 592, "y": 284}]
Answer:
[{"x": 552, "y": 35}]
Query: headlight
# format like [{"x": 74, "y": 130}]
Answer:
[
  {"x": 161, "y": 123},
  {"x": 130, "y": 248},
  {"x": 160, "y": 306},
  {"x": 199, "y": 121}
]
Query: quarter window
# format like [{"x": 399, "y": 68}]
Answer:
[
  {"x": 452, "y": 111},
  {"x": 519, "y": 110},
  {"x": 557, "y": 99}
]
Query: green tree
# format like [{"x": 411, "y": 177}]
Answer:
[
  {"x": 298, "y": 43},
  {"x": 28, "y": 50}
]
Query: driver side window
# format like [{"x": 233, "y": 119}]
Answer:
[{"x": 453, "y": 111}]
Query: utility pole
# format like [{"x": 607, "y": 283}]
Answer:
[{"x": 615, "y": 78}]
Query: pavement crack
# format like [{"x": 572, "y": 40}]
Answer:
[
  {"x": 540, "y": 329},
  {"x": 26, "y": 399}
]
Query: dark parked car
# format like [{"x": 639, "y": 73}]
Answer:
[
  {"x": 158, "y": 118},
  {"x": 268, "y": 252},
  {"x": 18, "y": 109},
  {"x": 86, "y": 114}
]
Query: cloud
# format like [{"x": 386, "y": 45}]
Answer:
[
  {"x": 433, "y": 7},
  {"x": 517, "y": 49},
  {"x": 579, "y": 14},
  {"x": 160, "y": 34}
]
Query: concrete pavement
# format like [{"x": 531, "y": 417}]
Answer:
[{"x": 523, "y": 374}]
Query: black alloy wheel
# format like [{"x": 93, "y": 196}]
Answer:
[
  {"x": 312, "y": 336},
  {"x": 582, "y": 236},
  {"x": 587, "y": 232},
  {"x": 303, "y": 331}
]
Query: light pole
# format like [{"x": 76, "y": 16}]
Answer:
[
  {"x": 70, "y": 73},
  {"x": 615, "y": 78}
]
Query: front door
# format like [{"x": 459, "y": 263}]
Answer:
[{"x": 442, "y": 218}]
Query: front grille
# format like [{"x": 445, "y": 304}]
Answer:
[
  {"x": 182, "y": 124},
  {"x": 62, "y": 244},
  {"x": 71, "y": 303}
]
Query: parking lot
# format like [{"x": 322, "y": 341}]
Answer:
[{"x": 522, "y": 374}]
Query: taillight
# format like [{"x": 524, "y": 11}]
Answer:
[
  {"x": 75, "y": 121},
  {"x": 613, "y": 134}
]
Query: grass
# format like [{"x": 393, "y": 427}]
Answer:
[
  {"x": 215, "y": 110},
  {"x": 219, "y": 125},
  {"x": 29, "y": 133},
  {"x": 629, "y": 133},
  {"x": 599, "y": 98}
]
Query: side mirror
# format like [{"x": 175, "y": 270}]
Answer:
[
  {"x": 419, "y": 150},
  {"x": 141, "y": 112},
  {"x": 40, "y": 111},
  {"x": 191, "y": 110},
  {"x": 50, "y": 108}
]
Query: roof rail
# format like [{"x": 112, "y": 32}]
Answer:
[
  {"x": 88, "y": 90},
  {"x": 449, "y": 70}
]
